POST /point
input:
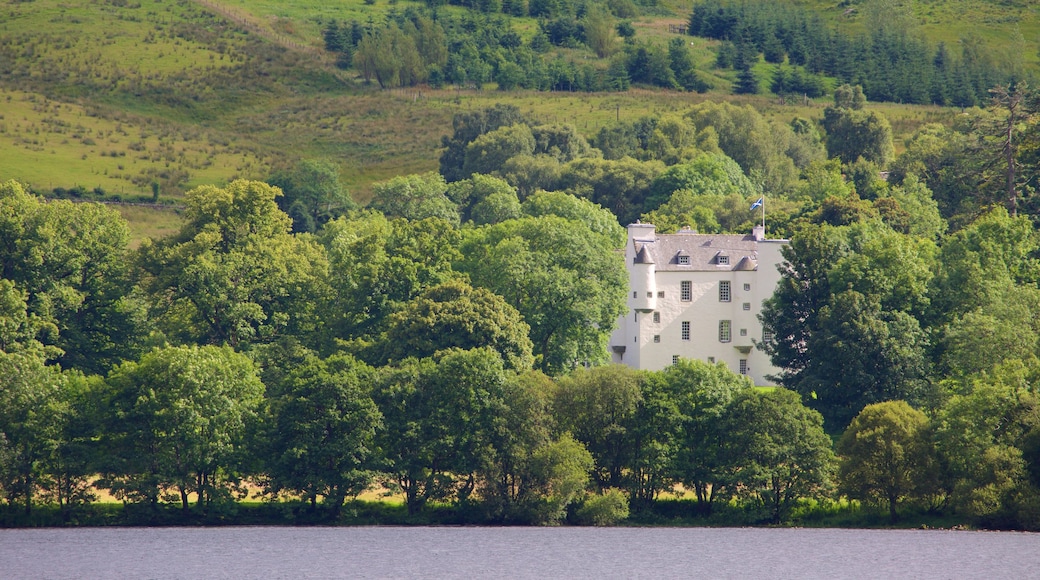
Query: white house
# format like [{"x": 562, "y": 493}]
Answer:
[{"x": 697, "y": 296}]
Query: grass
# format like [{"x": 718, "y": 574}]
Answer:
[
  {"x": 48, "y": 143},
  {"x": 117, "y": 94},
  {"x": 150, "y": 222}
]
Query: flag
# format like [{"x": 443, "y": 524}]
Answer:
[{"x": 758, "y": 203}]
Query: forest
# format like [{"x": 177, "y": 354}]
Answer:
[
  {"x": 371, "y": 304},
  {"x": 446, "y": 343}
]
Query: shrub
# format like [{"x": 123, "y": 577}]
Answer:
[{"x": 603, "y": 510}]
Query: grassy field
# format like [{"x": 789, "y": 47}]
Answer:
[{"x": 121, "y": 94}]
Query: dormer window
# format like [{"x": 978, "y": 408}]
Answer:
[
  {"x": 684, "y": 260},
  {"x": 722, "y": 260}
]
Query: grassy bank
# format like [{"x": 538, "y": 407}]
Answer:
[{"x": 669, "y": 513}]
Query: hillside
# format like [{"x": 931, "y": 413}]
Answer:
[{"x": 124, "y": 98}]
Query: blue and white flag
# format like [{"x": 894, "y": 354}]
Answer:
[{"x": 758, "y": 203}]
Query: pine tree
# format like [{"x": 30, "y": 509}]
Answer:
[{"x": 747, "y": 82}]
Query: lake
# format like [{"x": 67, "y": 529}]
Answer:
[{"x": 489, "y": 552}]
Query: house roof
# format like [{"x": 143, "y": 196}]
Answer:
[{"x": 707, "y": 252}]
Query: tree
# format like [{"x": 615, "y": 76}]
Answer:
[
  {"x": 566, "y": 281},
  {"x": 378, "y": 265},
  {"x": 455, "y": 315},
  {"x": 469, "y": 192},
  {"x": 600, "y": 34},
  {"x": 71, "y": 263},
  {"x": 684, "y": 68},
  {"x": 391, "y": 57},
  {"x": 567, "y": 206},
  {"x": 747, "y": 82},
  {"x": 981, "y": 262},
  {"x": 533, "y": 475},
  {"x": 983, "y": 436},
  {"x": 620, "y": 186},
  {"x": 780, "y": 448},
  {"x": 706, "y": 174},
  {"x": 488, "y": 152},
  {"x": 414, "y": 197},
  {"x": 887, "y": 456},
  {"x": 759, "y": 146},
  {"x": 312, "y": 194},
  {"x": 321, "y": 433},
  {"x": 466, "y": 127},
  {"x": 853, "y": 133},
  {"x": 178, "y": 421},
  {"x": 234, "y": 274},
  {"x": 1019, "y": 105},
  {"x": 440, "y": 418},
  {"x": 703, "y": 393},
  {"x": 29, "y": 392},
  {"x": 598, "y": 406},
  {"x": 845, "y": 318}
]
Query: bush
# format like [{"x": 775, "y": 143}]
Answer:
[{"x": 603, "y": 510}]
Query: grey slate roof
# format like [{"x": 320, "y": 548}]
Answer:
[{"x": 704, "y": 251}]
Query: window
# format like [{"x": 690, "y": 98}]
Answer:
[
  {"x": 746, "y": 306},
  {"x": 722, "y": 260},
  {"x": 724, "y": 291},
  {"x": 767, "y": 336},
  {"x": 635, "y": 294},
  {"x": 686, "y": 330},
  {"x": 635, "y": 317},
  {"x": 686, "y": 290},
  {"x": 675, "y": 359},
  {"x": 743, "y": 332},
  {"x": 657, "y": 338},
  {"x": 657, "y": 317},
  {"x": 684, "y": 260},
  {"x": 747, "y": 287},
  {"x": 660, "y": 293},
  {"x": 649, "y": 294},
  {"x": 725, "y": 331},
  {"x": 743, "y": 366}
]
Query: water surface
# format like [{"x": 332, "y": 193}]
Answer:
[{"x": 488, "y": 552}]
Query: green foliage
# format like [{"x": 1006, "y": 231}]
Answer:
[
  {"x": 598, "y": 406},
  {"x": 884, "y": 51},
  {"x": 567, "y": 206},
  {"x": 70, "y": 261},
  {"x": 887, "y": 457},
  {"x": 321, "y": 432},
  {"x": 780, "y": 450},
  {"x": 620, "y": 186},
  {"x": 470, "y": 192},
  {"x": 565, "y": 280},
  {"x": 441, "y": 420},
  {"x": 856, "y": 293},
  {"x": 378, "y": 265},
  {"x": 33, "y": 425},
  {"x": 178, "y": 422},
  {"x": 234, "y": 274},
  {"x": 455, "y": 315},
  {"x": 467, "y": 127},
  {"x": 852, "y": 134},
  {"x": 606, "y": 509},
  {"x": 704, "y": 462},
  {"x": 312, "y": 194},
  {"x": 488, "y": 152},
  {"x": 414, "y": 197},
  {"x": 746, "y": 137}
]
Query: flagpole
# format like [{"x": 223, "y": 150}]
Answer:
[{"x": 763, "y": 215}]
